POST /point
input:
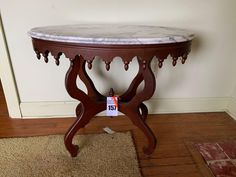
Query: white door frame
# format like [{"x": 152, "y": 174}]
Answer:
[{"x": 7, "y": 78}]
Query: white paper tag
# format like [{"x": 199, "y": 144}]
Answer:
[
  {"x": 112, "y": 106},
  {"x": 108, "y": 130}
]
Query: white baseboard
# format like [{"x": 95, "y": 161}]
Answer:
[
  {"x": 187, "y": 105},
  {"x": 48, "y": 109},
  {"x": 155, "y": 106},
  {"x": 232, "y": 108}
]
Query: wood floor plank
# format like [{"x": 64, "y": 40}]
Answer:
[
  {"x": 150, "y": 162},
  {"x": 170, "y": 170}
]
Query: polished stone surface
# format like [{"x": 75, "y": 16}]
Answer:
[{"x": 111, "y": 34}]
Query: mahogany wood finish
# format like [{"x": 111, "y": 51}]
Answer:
[{"x": 130, "y": 103}]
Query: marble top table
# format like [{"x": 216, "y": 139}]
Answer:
[
  {"x": 82, "y": 43},
  {"x": 111, "y": 34}
]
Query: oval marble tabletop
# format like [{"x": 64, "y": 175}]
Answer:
[{"x": 111, "y": 34}]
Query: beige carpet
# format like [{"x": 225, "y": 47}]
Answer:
[{"x": 101, "y": 155}]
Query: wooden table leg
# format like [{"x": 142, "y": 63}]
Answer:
[
  {"x": 131, "y": 92},
  {"x": 132, "y": 107},
  {"x": 82, "y": 120},
  {"x": 90, "y": 104}
]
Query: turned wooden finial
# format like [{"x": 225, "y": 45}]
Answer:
[
  {"x": 45, "y": 55},
  {"x": 38, "y": 54},
  {"x": 57, "y": 57},
  {"x": 90, "y": 64},
  {"x": 111, "y": 92},
  {"x": 160, "y": 62},
  {"x": 126, "y": 66},
  {"x": 144, "y": 64},
  {"x": 107, "y": 65},
  {"x": 184, "y": 58},
  {"x": 174, "y": 62}
]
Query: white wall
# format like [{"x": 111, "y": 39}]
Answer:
[
  {"x": 234, "y": 93},
  {"x": 208, "y": 72}
]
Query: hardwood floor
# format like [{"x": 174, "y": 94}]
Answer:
[{"x": 171, "y": 157}]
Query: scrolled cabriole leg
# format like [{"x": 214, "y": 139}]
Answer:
[
  {"x": 86, "y": 109},
  {"x": 84, "y": 115},
  {"x": 136, "y": 119},
  {"x": 92, "y": 91},
  {"x": 82, "y": 119},
  {"x": 132, "y": 108}
]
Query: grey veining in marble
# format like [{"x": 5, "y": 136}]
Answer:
[{"x": 111, "y": 34}]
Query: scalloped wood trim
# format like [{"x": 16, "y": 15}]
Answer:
[{"x": 108, "y": 52}]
